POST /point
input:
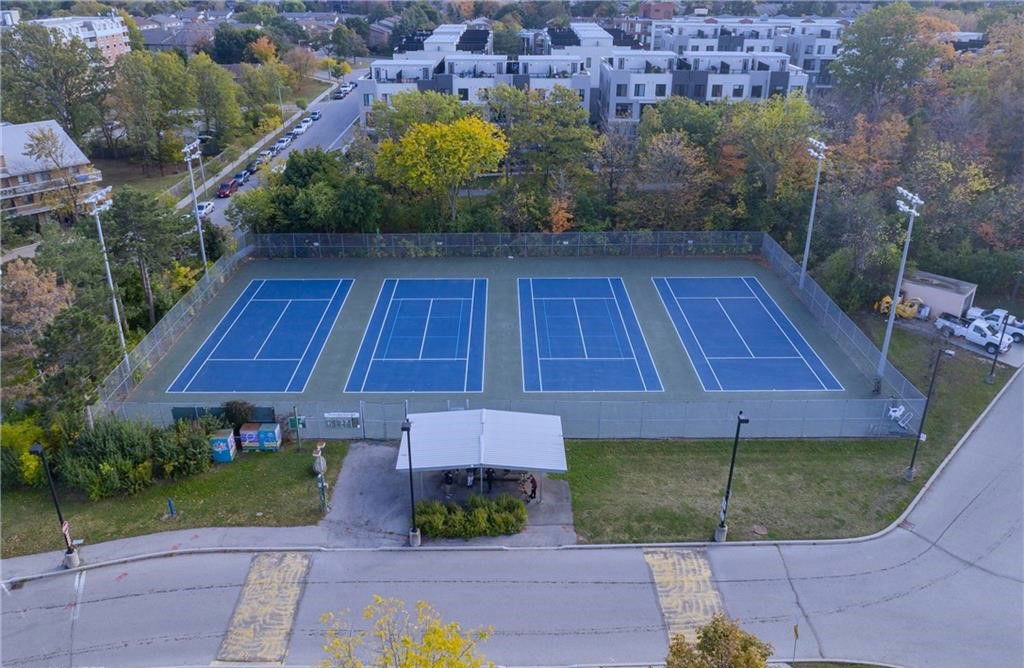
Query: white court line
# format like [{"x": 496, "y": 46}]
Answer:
[
  {"x": 735, "y": 328},
  {"x": 605, "y": 359},
  {"x": 762, "y": 357},
  {"x": 366, "y": 330},
  {"x": 201, "y": 345},
  {"x": 380, "y": 334},
  {"x": 420, "y": 359},
  {"x": 536, "y": 334},
  {"x": 271, "y": 332},
  {"x": 483, "y": 342},
  {"x": 636, "y": 319},
  {"x": 312, "y": 336},
  {"x": 251, "y": 359},
  {"x": 583, "y": 339},
  {"x": 458, "y": 338},
  {"x": 282, "y": 299},
  {"x": 679, "y": 335},
  {"x": 426, "y": 326},
  {"x": 682, "y": 312},
  {"x": 625, "y": 330}
]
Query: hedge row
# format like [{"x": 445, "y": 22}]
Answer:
[{"x": 480, "y": 516}]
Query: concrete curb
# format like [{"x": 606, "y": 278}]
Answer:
[{"x": 501, "y": 548}]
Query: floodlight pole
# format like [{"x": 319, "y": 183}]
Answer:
[
  {"x": 991, "y": 377},
  {"x": 907, "y": 203},
  {"x": 191, "y": 152},
  {"x": 414, "y": 533},
  {"x": 98, "y": 202},
  {"x": 722, "y": 530},
  {"x": 817, "y": 151},
  {"x": 908, "y": 473}
]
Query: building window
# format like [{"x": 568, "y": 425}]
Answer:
[
  {"x": 755, "y": 92},
  {"x": 583, "y": 94},
  {"x": 716, "y": 90},
  {"x": 808, "y": 64},
  {"x": 695, "y": 47},
  {"x": 622, "y": 63},
  {"x": 821, "y": 49},
  {"x": 778, "y": 49},
  {"x": 809, "y": 49},
  {"x": 367, "y": 99},
  {"x": 621, "y": 90},
  {"x": 764, "y": 48},
  {"x": 835, "y": 49},
  {"x": 588, "y": 63},
  {"x": 709, "y": 47},
  {"x": 698, "y": 91},
  {"x": 659, "y": 90},
  {"x": 679, "y": 89},
  {"x": 639, "y": 90},
  {"x": 737, "y": 90},
  {"x": 464, "y": 94},
  {"x": 623, "y": 110},
  {"x": 750, "y": 49}
]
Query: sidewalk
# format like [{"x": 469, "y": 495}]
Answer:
[{"x": 28, "y": 251}]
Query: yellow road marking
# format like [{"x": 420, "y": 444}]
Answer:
[
  {"x": 686, "y": 594},
  {"x": 262, "y": 621}
]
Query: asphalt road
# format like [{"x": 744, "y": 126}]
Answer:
[
  {"x": 330, "y": 132},
  {"x": 945, "y": 588}
]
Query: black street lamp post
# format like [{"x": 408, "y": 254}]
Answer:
[
  {"x": 414, "y": 533},
  {"x": 70, "y": 555},
  {"x": 991, "y": 377},
  {"x": 908, "y": 473},
  {"x": 722, "y": 530}
]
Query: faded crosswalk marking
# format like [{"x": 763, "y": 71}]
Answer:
[
  {"x": 262, "y": 621},
  {"x": 686, "y": 594}
]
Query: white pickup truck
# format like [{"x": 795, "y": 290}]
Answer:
[
  {"x": 978, "y": 331},
  {"x": 1014, "y": 325}
]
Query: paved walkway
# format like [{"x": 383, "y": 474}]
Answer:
[{"x": 28, "y": 251}]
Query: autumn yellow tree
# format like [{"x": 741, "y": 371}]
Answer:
[
  {"x": 721, "y": 643},
  {"x": 400, "y": 638},
  {"x": 262, "y": 50},
  {"x": 440, "y": 158}
]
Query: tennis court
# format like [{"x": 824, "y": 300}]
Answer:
[
  {"x": 424, "y": 335},
  {"x": 582, "y": 335},
  {"x": 269, "y": 340},
  {"x": 737, "y": 337}
]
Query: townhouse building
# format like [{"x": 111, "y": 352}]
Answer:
[
  {"x": 29, "y": 186},
  {"x": 109, "y": 34},
  {"x": 615, "y": 83}
]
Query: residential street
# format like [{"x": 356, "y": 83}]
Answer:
[
  {"x": 332, "y": 131},
  {"x": 942, "y": 589}
]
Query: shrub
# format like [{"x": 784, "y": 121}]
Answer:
[
  {"x": 237, "y": 413},
  {"x": 480, "y": 517},
  {"x": 20, "y": 467},
  {"x": 301, "y": 103}
]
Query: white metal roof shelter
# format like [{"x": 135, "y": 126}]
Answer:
[{"x": 484, "y": 439}]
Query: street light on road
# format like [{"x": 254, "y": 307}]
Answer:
[
  {"x": 414, "y": 533},
  {"x": 71, "y": 554},
  {"x": 991, "y": 377},
  {"x": 99, "y": 202},
  {"x": 817, "y": 151},
  {"x": 906, "y": 202},
  {"x": 722, "y": 530},
  {"x": 908, "y": 473},
  {"x": 191, "y": 152}
]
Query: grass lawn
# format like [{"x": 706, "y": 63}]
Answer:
[
  {"x": 280, "y": 486},
  {"x": 309, "y": 89},
  {"x": 638, "y": 491},
  {"x": 118, "y": 173}
]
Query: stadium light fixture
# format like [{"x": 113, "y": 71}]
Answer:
[
  {"x": 817, "y": 150},
  {"x": 98, "y": 202},
  {"x": 906, "y": 202},
  {"x": 190, "y": 153}
]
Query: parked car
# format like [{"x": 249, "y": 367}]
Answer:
[
  {"x": 306, "y": 122},
  {"x": 242, "y": 177},
  {"x": 280, "y": 145},
  {"x": 252, "y": 167},
  {"x": 299, "y": 129},
  {"x": 339, "y": 94},
  {"x": 228, "y": 188},
  {"x": 316, "y": 115},
  {"x": 264, "y": 155},
  {"x": 977, "y": 331},
  {"x": 205, "y": 209},
  {"x": 995, "y": 315}
]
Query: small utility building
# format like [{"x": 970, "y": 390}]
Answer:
[
  {"x": 482, "y": 439},
  {"x": 941, "y": 293}
]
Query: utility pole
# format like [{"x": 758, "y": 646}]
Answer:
[
  {"x": 906, "y": 202},
  {"x": 99, "y": 202},
  {"x": 191, "y": 152},
  {"x": 817, "y": 151}
]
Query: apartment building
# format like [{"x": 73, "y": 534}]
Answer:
[
  {"x": 632, "y": 80},
  {"x": 109, "y": 34},
  {"x": 28, "y": 185}
]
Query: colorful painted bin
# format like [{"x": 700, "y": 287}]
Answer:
[
  {"x": 249, "y": 434},
  {"x": 222, "y": 445},
  {"x": 270, "y": 437}
]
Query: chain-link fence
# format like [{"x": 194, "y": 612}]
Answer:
[
  {"x": 706, "y": 418},
  {"x": 770, "y": 418},
  {"x": 151, "y": 349},
  {"x": 570, "y": 244}
]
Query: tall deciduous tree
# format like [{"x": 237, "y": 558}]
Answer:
[
  {"x": 46, "y": 147},
  {"x": 507, "y": 107},
  {"x": 672, "y": 178},
  {"x": 47, "y": 77},
  {"x": 79, "y": 348},
  {"x": 556, "y": 133},
  {"x": 146, "y": 233},
  {"x": 406, "y": 109},
  {"x": 346, "y": 42},
  {"x": 215, "y": 96},
  {"x": 261, "y": 51},
  {"x": 136, "y": 104},
  {"x": 881, "y": 56},
  {"x": 440, "y": 158},
  {"x": 32, "y": 299},
  {"x": 702, "y": 122},
  {"x": 302, "y": 61}
]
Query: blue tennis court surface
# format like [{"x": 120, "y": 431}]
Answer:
[
  {"x": 425, "y": 335},
  {"x": 738, "y": 338},
  {"x": 269, "y": 340},
  {"x": 581, "y": 335}
]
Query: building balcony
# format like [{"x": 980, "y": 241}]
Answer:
[{"x": 81, "y": 178}]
